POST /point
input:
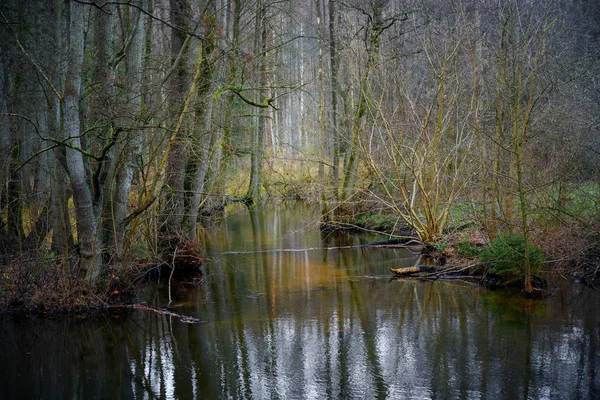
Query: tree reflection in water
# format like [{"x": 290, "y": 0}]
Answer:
[{"x": 313, "y": 324}]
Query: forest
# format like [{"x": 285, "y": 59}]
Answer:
[{"x": 467, "y": 125}]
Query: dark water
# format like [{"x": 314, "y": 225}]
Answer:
[{"x": 313, "y": 324}]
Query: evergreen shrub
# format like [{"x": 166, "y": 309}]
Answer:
[{"x": 505, "y": 257}]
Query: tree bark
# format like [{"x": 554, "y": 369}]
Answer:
[
  {"x": 204, "y": 139},
  {"x": 173, "y": 207},
  {"x": 5, "y": 141},
  {"x": 82, "y": 194},
  {"x": 133, "y": 147},
  {"x": 258, "y": 139},
  {"x": 334, "y": 145}
]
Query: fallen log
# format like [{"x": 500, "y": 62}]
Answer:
[{"x": 412, "y": 270}]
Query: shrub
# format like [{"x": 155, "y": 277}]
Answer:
[
  {"x": 376, "y": 221},
  {"x": 467, "y": 248},
  {"x": 505, "y": 256}
]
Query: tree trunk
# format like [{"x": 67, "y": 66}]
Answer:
[
  {"x": 82, "y": 194},
  {"x": 203, "y": 120},
  {"x": 173, "y": 208},
  {"x": 133, "y": 147},
  {"x": 334, "y": 145},
  {"x": 5, "y": 158},
  {"x": 258, "y": 139},
  {"x": 375, "y": 27}
]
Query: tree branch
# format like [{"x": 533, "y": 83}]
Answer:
[
  {"x": 266, "y": 103},
  {"x": 56, "y": 141},
  {"x": 129, "y": 3},
  {"x": 34, "y": 155},
  {"x": 139, "y": 211}
]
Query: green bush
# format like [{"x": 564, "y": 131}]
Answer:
[
  {"x": 467, "y": 248},
  {"x": 505, "y": 256},
  {"x": 378, "y": 222}
]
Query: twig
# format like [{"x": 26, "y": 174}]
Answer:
[{"x": 101, "y": 6}]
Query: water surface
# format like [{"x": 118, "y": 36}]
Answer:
[{"x": 308, "y": 316}]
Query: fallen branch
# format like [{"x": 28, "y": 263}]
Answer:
[
  {"x": 183, "y": 318},
  {"x": 453, "y": 269}
]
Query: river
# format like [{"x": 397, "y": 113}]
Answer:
[{"x": 289, "y": 312}]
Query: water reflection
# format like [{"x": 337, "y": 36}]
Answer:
[{"x": 313, "y": 324}]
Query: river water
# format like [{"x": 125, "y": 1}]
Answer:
[{"x": 308, "y": 317}]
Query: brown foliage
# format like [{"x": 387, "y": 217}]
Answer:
[
  {"x": 572, "y": 250},
  {"x": 33, "y": 286}
]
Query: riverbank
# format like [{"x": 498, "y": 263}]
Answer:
[
  {"x": 574, "y": 254},
  {"x": 287, "y": 310},
  {"x": 43, "y": 285}
]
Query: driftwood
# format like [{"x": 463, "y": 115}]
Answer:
[
  {"x": 412, "y": 270},
  {"x": 434, "y": 272}
]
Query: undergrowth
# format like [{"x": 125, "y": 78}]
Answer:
[
  {"x": 505, "y": 257},
  {"x": 43, "y": 287}
]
